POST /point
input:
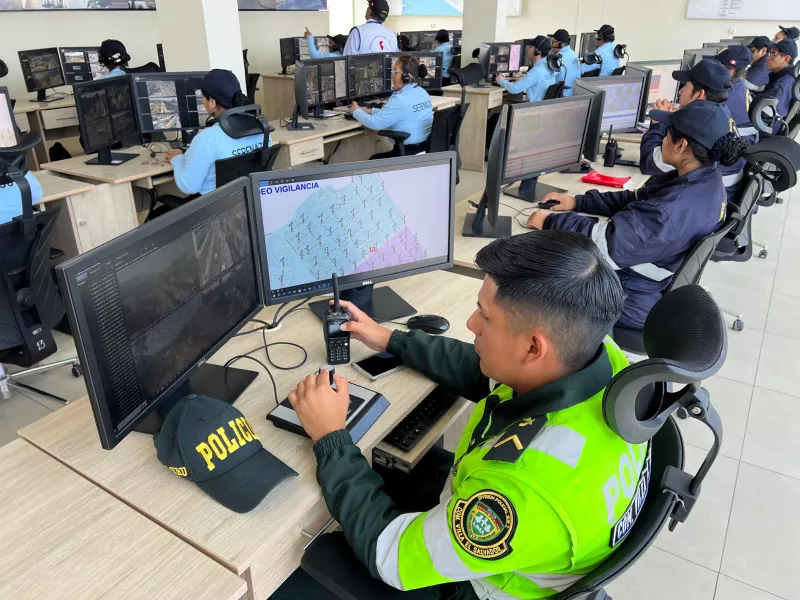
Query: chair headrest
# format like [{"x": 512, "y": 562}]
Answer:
[
  {"x": 796, "y": 71},
  {"x": 685, "y": 328},
  {"x": 796, "y": 89},
  {"x": 242, "y": 121},
  {"x": 762, "y": 113},
  {"x": 469, "y": 75},
  {"x": 30, "y": 141},
  {"x": 781, "y": 152}
]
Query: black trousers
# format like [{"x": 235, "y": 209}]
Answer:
[
  {"x": 411, "y": 150},
  {"x": 412, "y": 492}
]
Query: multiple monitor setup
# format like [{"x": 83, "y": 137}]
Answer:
[
  {"x": 150, "y": 307},
  {"x": 294, "y": 49},
  {"x": 694, "y": 56},
  {"x": 426, "y": 40},
  {"x": 329, "y": 80},
  {"x": 117, "y": 110},
  {"x": 81, "y": 64}
]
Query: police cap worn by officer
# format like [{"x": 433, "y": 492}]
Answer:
[
  {"x": 735, "y": 57},
  {"x": 561, "y": 35},
  {"x": 708, "y": 73},
  {"x": 787, "y": 47},
  {"x": 704, "y": 122},
  {"x": 222, "y": 86},
  {"x": 760, "y": 41},
  {"x": 380, "y": 9},
  {"x": 792, "y": 33},
  {"x": 605, "y": 32},
  {"x": 113, "y": 52},
  {"x": 212, "y": 444}
]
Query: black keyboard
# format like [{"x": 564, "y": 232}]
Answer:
[{"x": 420, "y": 420}]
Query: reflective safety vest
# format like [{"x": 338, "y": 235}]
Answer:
[{"x": 529, "y": 509}]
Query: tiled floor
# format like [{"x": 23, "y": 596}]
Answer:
[{"x": 742, "y": 541}]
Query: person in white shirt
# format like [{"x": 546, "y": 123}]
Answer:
[{"x": 372, "y": 36}]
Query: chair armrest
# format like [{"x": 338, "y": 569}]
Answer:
[
  {"x": 331, "y": 562},
  {"x": 397, "y": 136}
]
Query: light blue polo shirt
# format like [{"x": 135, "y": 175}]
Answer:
[
  {"x": 447, "y": 57},
  {"x": 573, "y": 66},
  {"x": 312, "y": 49},
  {"x": 11, "y": 199},
  {"x": 409, "y": 110},
  {"x": 535, "y": 82}
]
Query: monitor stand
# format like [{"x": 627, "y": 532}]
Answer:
[
  {"x": 209, "y": 380},
  {"x": 295, "y": 125},
  {"x": 581, "y": 167},
  {"x": 381, "y": 304},
  {"x": 476, "y": 225},
  {"x": 41, "y": 96},
  {"x": 531, "y": 190},
  {"x": 106, "y": 157}
]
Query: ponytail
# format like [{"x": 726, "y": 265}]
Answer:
[
  {"x": 728, "y": 150},
  {"x": 239, "y": 99}
]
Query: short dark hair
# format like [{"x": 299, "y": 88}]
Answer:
[
  {"x": 559, "y": 280},
  {"x": 442, "y": 36}
]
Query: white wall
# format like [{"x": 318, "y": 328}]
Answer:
[
  {"x": 138, "y": 30},
  {"x": 399, "y": 24}
]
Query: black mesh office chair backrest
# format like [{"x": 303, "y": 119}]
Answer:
[
  {"x": 445, "y": 129},
  {"x": 469, "y": 75},
  {"x": 619, "y": 71},
  {"x": 763, "y": 113},
  {"x": 241, "y": 122},
  {"x": 693, "y": 265},
  {"x": 777, "y": 158},
  {"x": 555, "y": 91},
  {"x": 150, "y": 67}
]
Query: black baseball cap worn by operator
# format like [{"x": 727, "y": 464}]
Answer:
[
  {"x": 709, "y": 73},
  {"x": 114, "y": 51},
  {"x": 561, "y": 35},
  {"x": 380, "y": 9},
  {"x": 212, "y": 444},
  {"x": 221, "y": 85}
]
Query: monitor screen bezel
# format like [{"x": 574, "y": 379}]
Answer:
[
  {"x": 506, "y": 179},
  {"x": 598, "y": 97},
  {"x": 4, "y": 90},
  {"x": 169, "y": 75},
  {"x": 300, "y": 69},
  {"x": 87, "y": 353},
  {"x": 647, "y": 76},
  {"x": 29, "y": 82},
  {"x": 360, "y": 279},
  {"x": 620, "y": 79},
  {"x": 100, "y": 83}
]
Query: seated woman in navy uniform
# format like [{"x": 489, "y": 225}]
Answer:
[{"x": 650, "y": 230}]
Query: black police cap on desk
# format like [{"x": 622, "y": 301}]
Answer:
[{"x": 212, "y": 444}]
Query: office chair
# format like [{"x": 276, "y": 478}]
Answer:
[
  {"x": 686, "y": 342},
  {"x": 619, "y": 71},
  {"x": 252, "y": 86},
  {"x": 555, "y": 91},
  {"x": 469, "y": 75},
  {"x": 30, "y": 304},
  {"x": 446, "y": 132},
  {"x": 150, "y": 67}
]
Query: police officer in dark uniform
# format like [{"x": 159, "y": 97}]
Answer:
[
  {"x": 758, "y": 74},
  {"x": 786, "y": 33},
  {"x": 707, "y": 80},
  {"x": 650, "y": 230},
  {"x": 780, "y": 62}
]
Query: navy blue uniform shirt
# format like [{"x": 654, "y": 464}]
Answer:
[
  {"x": 758, "y": 74},
  {"x": 649, "y": 231}
]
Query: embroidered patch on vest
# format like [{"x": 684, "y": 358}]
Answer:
[
  {"x": 625, "y": 523},
  {"x": 484, "y": 525}
]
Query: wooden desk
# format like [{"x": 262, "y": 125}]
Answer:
[
  {"x": 467, "y": 247},
  {"x": 278, "y": 93},
  {"x": 265, "y": 545},
  {"x": 62, "y": 537},
  {"x": 55, "y": 121},
  {"x": 138, "y": 170},
  {"x": 472, "y": 144}
]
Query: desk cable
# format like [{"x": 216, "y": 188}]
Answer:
[
  {"x": 277, "y": 319},
  {"x": 521, "y": 211}
]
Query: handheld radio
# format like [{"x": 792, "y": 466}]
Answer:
[{"x": 337, "y": 342}]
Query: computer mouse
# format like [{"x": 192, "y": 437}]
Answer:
[{"x": 429, "y": 324}]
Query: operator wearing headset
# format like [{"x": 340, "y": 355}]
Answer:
[
  {"x": 114, "y": 57},
  {"x": 409, "y": 110},
  {"x": 606, "y": 51},
  {"x": 538, "y": 78},
  {"x": 559, "y": 41},
  {"x": 372, "y": 36}
]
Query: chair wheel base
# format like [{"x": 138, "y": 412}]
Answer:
[
  {"x": 764, "y": 253},
  {"x": 738, "y": 325},
  {"x": 778, "y": 200},
  {"x": 77, "y": 371}
]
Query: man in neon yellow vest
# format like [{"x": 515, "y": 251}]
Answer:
[{"x": 540, "y": 490}]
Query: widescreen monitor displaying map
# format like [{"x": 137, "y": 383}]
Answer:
[
  {"x": 623, "y": 101},
  {"x": 357, "y": 220}
]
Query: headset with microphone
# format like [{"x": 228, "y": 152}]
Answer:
[{"x": 422, "y": 72}]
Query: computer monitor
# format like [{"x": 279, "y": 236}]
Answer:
[
  {"x": 427, "y": 41},
  {"x": 8, "y": 126},
  {"x": 316, "y": 83},
  {"x": 717, "y": 45},
  {"x": 744, "y": 40},
  {"x": 296, "y": 48},
  {"x": 148, "y": 308},
  {"x": 41, "y": 70},
  {"x": 433, "y": 61},
  {"x": 692, "y": 57},
  {"x": 365, "y": 76},
  {"x": 357, "y": 220},
  {"x": 169, "y": 101},
  {"x": 735, "y": 41},
  {"x": 622, "y": 102},
  {"x": 543, "y": 137},
  {"x": 81, "y": 64},
  {"x": 455, "y": 37},
  {"x": 162, "y": 64},
  {"x": 526, "y": 43},
  {"x": 662, "y": 85},
  {"x": 588, "y": 43},
  {"x": 413, "y": 38},
  {"x": 500, "y": 58},
  {"x": 639, "y": 70},
  {"x": 591, "y": 144},
  {"x": 106, "y": 117}
]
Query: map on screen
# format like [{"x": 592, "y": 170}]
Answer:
[{"x": 354, "y": 224}]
